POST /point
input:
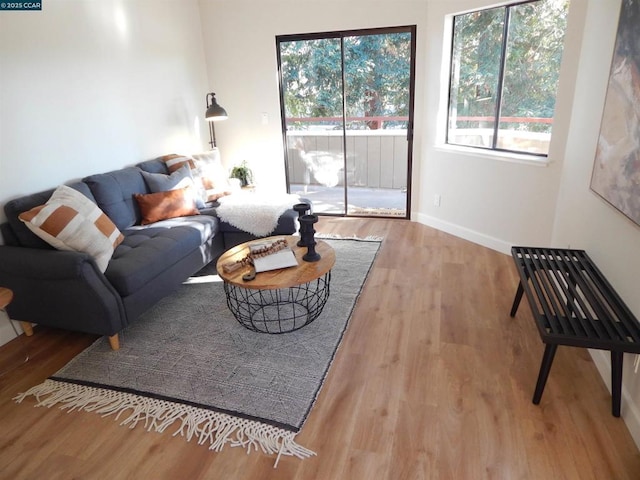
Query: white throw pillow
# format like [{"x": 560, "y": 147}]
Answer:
[
  {"x": 215, "y": 178},
  {"x": 209, "y": 165},
  {"x": 209, "y": 176},
  {"x": 70, "y": 221}
]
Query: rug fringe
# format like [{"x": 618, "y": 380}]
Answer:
[
  {"x": 333, "y": 236},
  {"x": 215, "y": 428}
]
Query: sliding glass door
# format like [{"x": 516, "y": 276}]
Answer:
[{"x": 347, "y": 110}]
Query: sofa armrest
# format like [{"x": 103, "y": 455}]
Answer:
[
  {"x": 60, "y": 289},
  {"x": 42, "y": 264}
]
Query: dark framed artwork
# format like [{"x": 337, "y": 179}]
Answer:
[{"x": 616, "y": 170}]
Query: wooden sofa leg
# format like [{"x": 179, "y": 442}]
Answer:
[
  {"x": 114, "y": 341},
  {"x": 27, "y": 328}
]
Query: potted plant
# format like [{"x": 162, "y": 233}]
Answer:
[{"x": 243, "y": 173}]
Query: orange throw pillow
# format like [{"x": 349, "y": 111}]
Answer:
[{"x": 163, "y": 205}]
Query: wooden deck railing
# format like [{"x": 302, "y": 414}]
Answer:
[{"x": 377, "y": 157}]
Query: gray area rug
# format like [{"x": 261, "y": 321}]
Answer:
[{"x": 189, "y": 365}]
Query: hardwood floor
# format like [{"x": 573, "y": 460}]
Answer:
[{"x": 433, "y": 380}]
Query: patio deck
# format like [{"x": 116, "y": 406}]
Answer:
[{"x": 363, "y": 201}]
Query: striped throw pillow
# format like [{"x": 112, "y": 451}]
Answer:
[
  {"x": 175, "y": 162},
  {"x": 70, "y": 221}
]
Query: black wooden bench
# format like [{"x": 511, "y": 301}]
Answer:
[{"x": 574, "y": 304}]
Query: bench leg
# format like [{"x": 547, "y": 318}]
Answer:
[
  {"x": 616, "y": 382},
  {"x": 545, "y": 367},
  {"x": 516, "y": 300}
]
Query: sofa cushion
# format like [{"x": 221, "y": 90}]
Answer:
[
  {"x": 15, "y": 207},
  {"x": 163, "y": 205},
  {"x": 70, "y": 221},
  {"x": 113, "y": 192},
  {"x": 147, "y": 251}
]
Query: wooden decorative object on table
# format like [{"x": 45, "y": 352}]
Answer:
[
  {"x": 302, "y": 209},
  {"x": 307, "y": 232}
]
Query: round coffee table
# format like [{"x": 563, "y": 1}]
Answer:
[{"x": 278, "y": 301}]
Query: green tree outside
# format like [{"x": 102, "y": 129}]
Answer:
[
  {"x": 535, "y": 40},
  {"x": 376, "y": 73}
]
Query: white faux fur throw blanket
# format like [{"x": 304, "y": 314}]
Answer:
[{"x": 255, "y": 212}]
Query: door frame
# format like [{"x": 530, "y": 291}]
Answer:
[{"x": 340, "y": 34}]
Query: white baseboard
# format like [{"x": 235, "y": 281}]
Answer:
[
  {"x": 629, "y": 410},
  {"x": 466, "y": 233}
]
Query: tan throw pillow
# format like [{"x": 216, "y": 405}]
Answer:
[
  {"x": 163, "y": 205},
  {"x": 70, "y": 221}
]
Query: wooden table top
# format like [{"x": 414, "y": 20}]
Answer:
[
  {"x": 282, "y": 278},
  {"x": 6, "y": 296}
]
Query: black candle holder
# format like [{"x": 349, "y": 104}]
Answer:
[
  {"x": 302, "y": 209},
  {"x": 307, "y": 233}
]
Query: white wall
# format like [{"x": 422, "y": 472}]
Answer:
[
  {"x": 242, "y": 65},
  {"x": 88, "y": 87},
  {"x": 494, "y": 201},
  {"x": 583, "y": 220}
]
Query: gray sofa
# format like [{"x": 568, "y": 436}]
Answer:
[{"x": 65, "y": 289}]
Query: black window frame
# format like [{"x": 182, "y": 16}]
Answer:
[
  {"x": 341, "y": 34},
  {"x": 502, "y": 60}
]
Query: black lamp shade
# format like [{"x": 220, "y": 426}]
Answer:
[{"x": 214, "y": 111}]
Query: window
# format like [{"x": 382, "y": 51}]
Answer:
[{"x": 505, "y": 64}]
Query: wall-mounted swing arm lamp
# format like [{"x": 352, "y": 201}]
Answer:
[{"x": 214, "y": 113}]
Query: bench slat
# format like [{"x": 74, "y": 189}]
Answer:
[
  {"x": 557, "y": 278},
  {"x": 590, "y": 297}
]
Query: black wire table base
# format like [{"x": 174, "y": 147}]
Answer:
[{"x": 278, "y": 310}]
